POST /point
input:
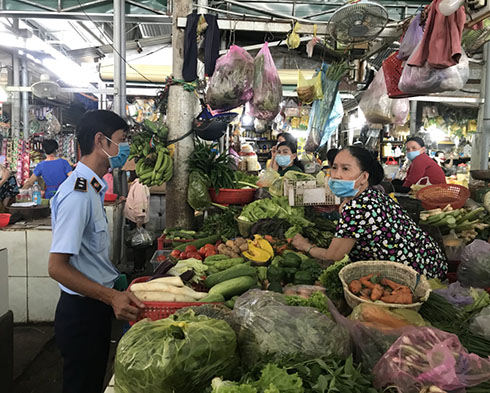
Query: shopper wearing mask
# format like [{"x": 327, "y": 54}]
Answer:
[
  {"x": 287, "y": 158},
  {"x": 79, "y": 256},
  {"x": 282, "y": 137},
  {"x": 422, "y": 165},
  {"x": 372, "y": 226},
  {"x": 53, "y": 170},
  {"x": 446, "y": 165}
]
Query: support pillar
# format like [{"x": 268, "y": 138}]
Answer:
[
  {"x": 119, "y": 33},
  {"x": 485, "y": 134},
  {"x": 25, "y": 99},
  {"x": 413, "y": 117},
  {"x": 15, "y": 115},
  {"x": 180, "y": 116}
]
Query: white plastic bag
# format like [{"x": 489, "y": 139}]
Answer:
[
  {"x": 481, "y": 323},
  {"x": 426, "y": 80},
  {"x": 375, "y": 103}
]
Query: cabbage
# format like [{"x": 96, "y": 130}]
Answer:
[{"x": 178, "y": 354}]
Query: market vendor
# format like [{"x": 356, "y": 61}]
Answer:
[
  {"x": 79, "y": 256},
  {"x": 445, "y": 164},
  {"x": 282, "y": 137},
  {"x": 372, "y": 226},
  {"x": 287, "y": 158},
  {"x": 8, "y": 188},
  {"x": 422, "y": 165},
  {"x": 53, "y": 170}
]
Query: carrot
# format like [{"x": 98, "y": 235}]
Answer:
[
  {"x": 279, "y": 250},
  {"x": 393, "y": 285},
  {"x": 365, "y": 298},
  {"x": 365, "y": 281},
  {"x": 366, "y": 292},
  {"x": 386, "y": 293},
  {"x": 355, "y": 286},
  {"x": 398, "y": 298},
  {"x": 269, "y": 238},
  {"x": 377, "y": 292}
]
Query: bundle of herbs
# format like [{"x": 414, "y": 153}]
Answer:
[{"x": 222, "y": 224}]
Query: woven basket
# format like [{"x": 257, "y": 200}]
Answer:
[
  {"x": 441, "y": 195},
  {"x": 392, "y": 69},
  {"x": 394, "y": 271}
]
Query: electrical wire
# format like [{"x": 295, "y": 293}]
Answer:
[{"x": 109, "y": 40}]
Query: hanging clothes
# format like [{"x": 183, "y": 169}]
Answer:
[
  {"x": 211, "y": 46},
  {"x": 441, "y": 43}
]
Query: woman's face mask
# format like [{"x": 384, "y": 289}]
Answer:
[
  {"x": 121, "y": 157},
  {"x": 283, "y": 160},
  {"x": 344, "y": 188}
]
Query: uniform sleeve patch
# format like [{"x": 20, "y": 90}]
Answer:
[
  {"x": 95, "y": 184},
  {"x": 80, "y": 184}
]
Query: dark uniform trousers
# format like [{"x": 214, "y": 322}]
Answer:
[{"x": 83, "y": 332}]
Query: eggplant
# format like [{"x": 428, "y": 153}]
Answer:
[
  {"x": 186, "y": 276},
  {"x": 163, "y": 267}
]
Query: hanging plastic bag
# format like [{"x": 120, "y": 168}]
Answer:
[
  {"x": 411, "y": 39},
  {"x": 425, "y": 356},
  {"x": 375, "y": 103},
  {"x": 400, "y": 108},
  {"x": 474, "y": 269},
  {"x": 231, "y": 83},
  {"x": 293, "y": 40},
  {"x": 141, "y": 238},
  {"x": 334, "y": 119},
  {"x": 427, "y": 80},
  {"x": 309, "y": 89},
  {"x": 267, "y": 86},
  {"x": 197, "y": 194}
]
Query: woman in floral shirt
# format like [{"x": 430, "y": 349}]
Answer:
[{"x": 372, "y": 226}]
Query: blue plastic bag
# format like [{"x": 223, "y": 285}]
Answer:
[{"x": 334, "y": 119}]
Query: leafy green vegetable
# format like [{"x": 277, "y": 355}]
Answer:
[
  {"x": 182, "y": 266},
  {"x": 331, "y": 281},
  {"x": 317, "y": 300},
  {"x": 222, "y": 224},
  {"x": 177, "y": 354},
  {"x": 220, "y": 386},
  {"x": 197, "y": 194}
]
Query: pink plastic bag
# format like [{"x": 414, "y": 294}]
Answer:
[
  {"x": 267, "y": 86},
  {"x": 231, "y": 83},
  {"x": 426, "y": 356},
  {"x": 411, "y": 38}
]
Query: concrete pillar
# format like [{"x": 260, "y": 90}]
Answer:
[
  {"x": 180, "y": 115},
  {"x": 15, "y": 115},
  {"x": 413, "y": 117},
  {"x": 119, "y": 34},
  {"x": 25, "y": 98}
]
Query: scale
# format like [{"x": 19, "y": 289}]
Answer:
[{"x": 483, "y": 175}]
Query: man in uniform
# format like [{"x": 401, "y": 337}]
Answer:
[{"x": 79, "y": 256}]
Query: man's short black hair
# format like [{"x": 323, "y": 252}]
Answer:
[
  {"x": 96, "y": 121},
  {"x": 420, "y": 141},
  {"x": 50, "y": 146}
]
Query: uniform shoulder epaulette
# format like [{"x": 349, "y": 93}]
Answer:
[
  {"x": 95, "y": 184},
  {"x": 80, "y": 184}
]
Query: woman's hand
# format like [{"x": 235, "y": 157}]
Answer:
[{"x": 300, "y": 243}]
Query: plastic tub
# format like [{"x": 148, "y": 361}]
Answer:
[
  {"x": 227, "y": 196},
  {"x": 4, "y": 219},
  {"x": 244, "y": 227},
  {"x": 108, "y": 197}
]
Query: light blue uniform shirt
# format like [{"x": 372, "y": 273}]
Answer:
[{"x": 80, "y": 226}]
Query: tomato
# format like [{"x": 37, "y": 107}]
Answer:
[
  {"x": 195, "y": 255},
  {"x": 190, "y": 248},
  {"x": 184, "y": 255},
  {"x": 202, "y": 251},
  {"x": 175, "y": 253},
  {"x": 209, "y": 253},
  {"x": 208, "y": 246}
]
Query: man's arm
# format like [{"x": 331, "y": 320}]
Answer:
[
  {"x": 415, "y": 173},
  {"x": 29, "y": 182},
  {"x": 60, "y": 270}
]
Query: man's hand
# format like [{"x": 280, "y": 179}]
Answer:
[
  {"x": 126, "y": 306},
  {"x": 300, "y": 243}
]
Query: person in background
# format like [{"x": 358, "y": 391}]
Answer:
[
  {"x": 53, "y": 170},
  {"x": 445, "y": 164},
  {"x": 8, "y": 188},
  {"x": 422, "y": 165},
  {"x": 282, "y": 137},
  {"x": 372, "y": 226},
  {"x": 79, "y": 256},
  {"x": 287, "y": 158}
]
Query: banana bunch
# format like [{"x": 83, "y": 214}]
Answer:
[{"x": 154, "y": 163}]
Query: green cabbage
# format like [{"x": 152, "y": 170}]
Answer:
[{"x": 180, "y": 354}]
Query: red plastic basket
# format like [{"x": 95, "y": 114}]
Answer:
[
  {"x": 228, "y": 196},
  {"x": 160, "y": 310},
  {"x": 441, "y": 195},
  {"x": 4, "y": 219},
  {"x": 164, "y": 243},
  {"x": 392, "y": 69}
]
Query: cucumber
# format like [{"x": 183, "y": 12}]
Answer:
[
  {"x": 223, "y": 264},
  {"x": 199, "y": 242},
  {"x": 214, "y": 258},
  {"x": 228, "y": 274},
  {"x": 213, "y": 298},
  {"x": 233, "y": 287}
]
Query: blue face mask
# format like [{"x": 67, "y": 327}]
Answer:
[
  {"x": 343, "y": 188},
  {"x": 283, "y": 160},
  {"x": 120, "y": 159},
  {"x": 412, "y": 155}
]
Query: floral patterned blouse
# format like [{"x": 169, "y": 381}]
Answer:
[{"x": 384, "y": 231}]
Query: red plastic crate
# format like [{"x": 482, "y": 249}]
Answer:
[
  {"x": 164, "y": 243},
  {"x": 160, "y": 310}
]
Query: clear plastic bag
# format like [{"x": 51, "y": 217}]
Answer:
[
  {"x": 456, "y": 294},
  {"x": 474, "y": 269},
  {"x": 267, "y": 177},
  {"x": 481, "y": 323},
  {"x": 426, "y": 80},
  {"x": 426, "y": 356},
  {"x": 267, "y": 87},
  {"x": 231, "y": 83},
  {"x": 268, "y": 327},
  {"x": 140, "y": 238},
  {"x": 411, "y": 38},
  {"x": 375, "y": 103},
  {"x": 197, "y": 194},
  {"x": 400, "y": 108},
  {"x": 309, "y": 89}
]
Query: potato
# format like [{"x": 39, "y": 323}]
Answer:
[
  {"x": 239, "y": 241},
  {"x": 243, "y": 247},
  {"x": 222, "y": 249},
  {"x": 235, "y": 249},
  {"x": 230, "y": 243}
]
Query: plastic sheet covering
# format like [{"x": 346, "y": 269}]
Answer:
[
  {"x": 474, "y": 269},
  {"x": 197, "y": 194},
  {"x": 231, "y": 83},
  {"x": 268, "y": 327},
  {"x": 178, "y": 354},
  {"x": 267, "y": 86},
  {"x": 334, "y": 119},
  {"x": 427, "y": 356},
  {"x": 427, "y": 80}
]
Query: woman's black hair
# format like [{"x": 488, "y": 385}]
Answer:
[
  {"x": 294, "y": 150},
  {"x": 50, "y": 146},
  {"x": 288, "y": 137},
  {"x": 331, "y": 156},
  {"x": 420, "y": 141},
  {"x": 368, "y": 163}
]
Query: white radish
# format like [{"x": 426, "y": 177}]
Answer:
[
  {"x": 176, "y": 281},
  {"x": 157, "y": 296}
]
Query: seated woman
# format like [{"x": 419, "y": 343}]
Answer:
[
  {"x": 282, "y": 137},
  {"x": 287, "y": 158},
  {"x": 372, "y": 226},
  {"x": 8, "y": 188}
]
